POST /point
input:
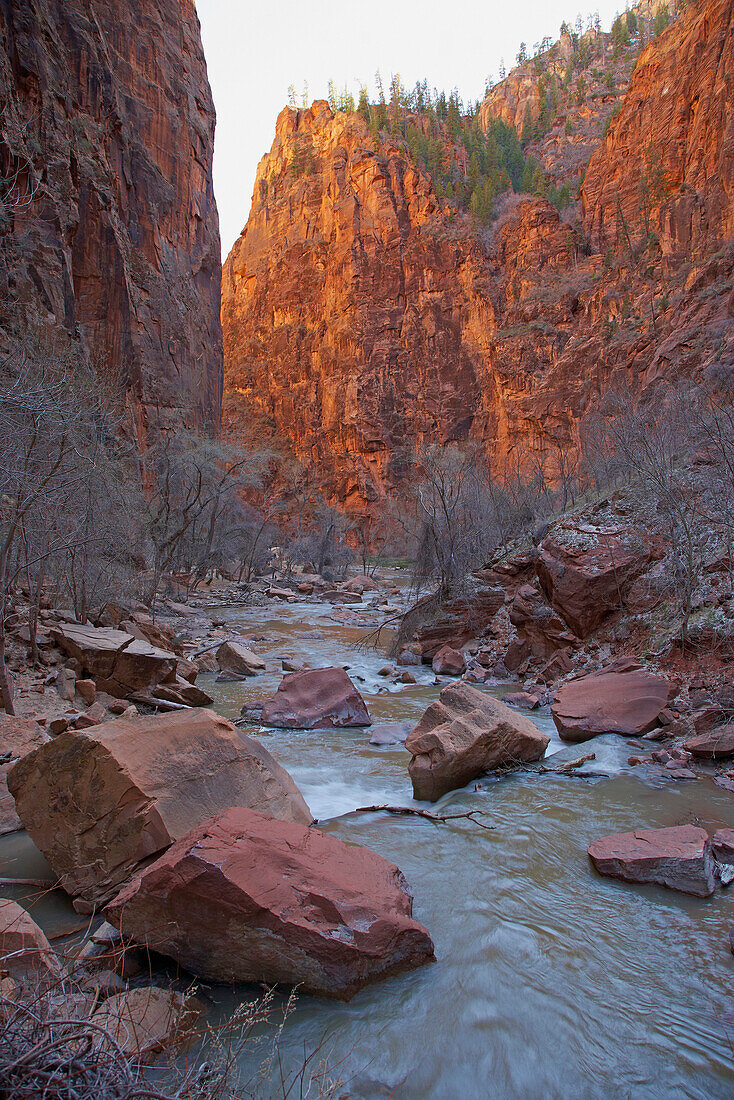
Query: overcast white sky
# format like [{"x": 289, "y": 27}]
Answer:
[{"x": 256, "y": 48}]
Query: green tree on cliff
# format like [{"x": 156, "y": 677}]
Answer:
[{"x": 364, "y": 104}]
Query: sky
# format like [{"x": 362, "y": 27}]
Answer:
[{"x": 255, "y": 49}]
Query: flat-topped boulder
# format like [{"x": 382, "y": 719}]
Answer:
[
  {"x": 715, "y": 744},
  {"x": 318, "y": 698},
  {"x": 234, "y": 657},
  {"x": 18, "y": 737},
  {"x": 622, "y": 698},
  {"x": 465, "y": 734},
  {"x": 246, "y": 898},
  {"x": 101, "y": 801},
  {"x": 116, "y": 661},
  {"x": 678, "y": 857}
]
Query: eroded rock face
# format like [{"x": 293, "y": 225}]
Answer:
[
  {"x": 319, "y": 698},
  {"x": 394, "y": 324},
  {"x": 679, "y": 858},
  {"x": 465, "y": 734},
  {"x": 101, "y": 801},
  {"x": 585, "y": 573},
  {"x": 119, "y": 245},
  {"x": 538, "y": 628},
  {"x": 246, "y": 898},
  {"x": 622, "y": 698}
]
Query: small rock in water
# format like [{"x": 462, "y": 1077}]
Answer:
[
  {"x": 678, "y": 857},
  {"x": 390, "y": 733}
]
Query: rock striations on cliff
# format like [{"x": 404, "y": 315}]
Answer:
[{"x": 110, "y": 231}]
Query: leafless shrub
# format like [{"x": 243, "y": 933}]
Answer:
[{"x": 51, "y": 1047}]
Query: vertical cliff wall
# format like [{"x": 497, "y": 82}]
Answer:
[
  {"x": 667, "y": 163},
  {"x": 340, "y": 301},
  {"x": 110, "y": 229}
]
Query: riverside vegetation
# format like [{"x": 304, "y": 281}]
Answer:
[{"x": 227, "y": 711}]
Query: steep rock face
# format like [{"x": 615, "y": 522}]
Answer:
[
  {"x": 341, "y": 308},
  {"x": 667, "y": 163},
  {"x": 108, "y": 125}
]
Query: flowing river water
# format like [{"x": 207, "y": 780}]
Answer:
[{"x": 550, "y": 981}]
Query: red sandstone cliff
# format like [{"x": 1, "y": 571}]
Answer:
[
  {"x": 667, "y": 164},
  {"x": 108, "y": 118},
  {"x": 341, "y": 311},
  {"x": 361, "y": 320}
]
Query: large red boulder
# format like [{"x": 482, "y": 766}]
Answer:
[
  {"x": 318, "y": 698},
  {"x": 585, "y": 572},
  {"x": 465, "y": 734},
  {"x": 102, "y": 801},
  {"x": 679, "y": 858},
  {"x": 246, "y": 898},
  {"x": 621, "y": 698}
]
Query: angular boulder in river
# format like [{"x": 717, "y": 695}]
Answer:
[
  {"x": 236, "y": 658},
  {"x": 465, "y": 734},
  {"x": 246, "y": 898},
  {"x": 318, "y": 698},
  {"x": 117, "y": 662},
  {"x": 390, "y": 733},
  {"x": 717, "y": 744},
  {"x": 679, "y": 858},
  {"x": 101, "y": 801},
  {"x": 723, "y": 845},
  {"x": 449, "y": 661},
  {"x": 621, "y": 698}
]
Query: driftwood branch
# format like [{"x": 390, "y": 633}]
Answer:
[
  {"x": 437, "y": 819},
  {"x": 44, "y": 883}
]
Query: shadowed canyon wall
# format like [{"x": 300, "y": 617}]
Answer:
[{"x": 111, "y": 230}]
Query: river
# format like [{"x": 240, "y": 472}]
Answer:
[{"x": 550, "y": 981}]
